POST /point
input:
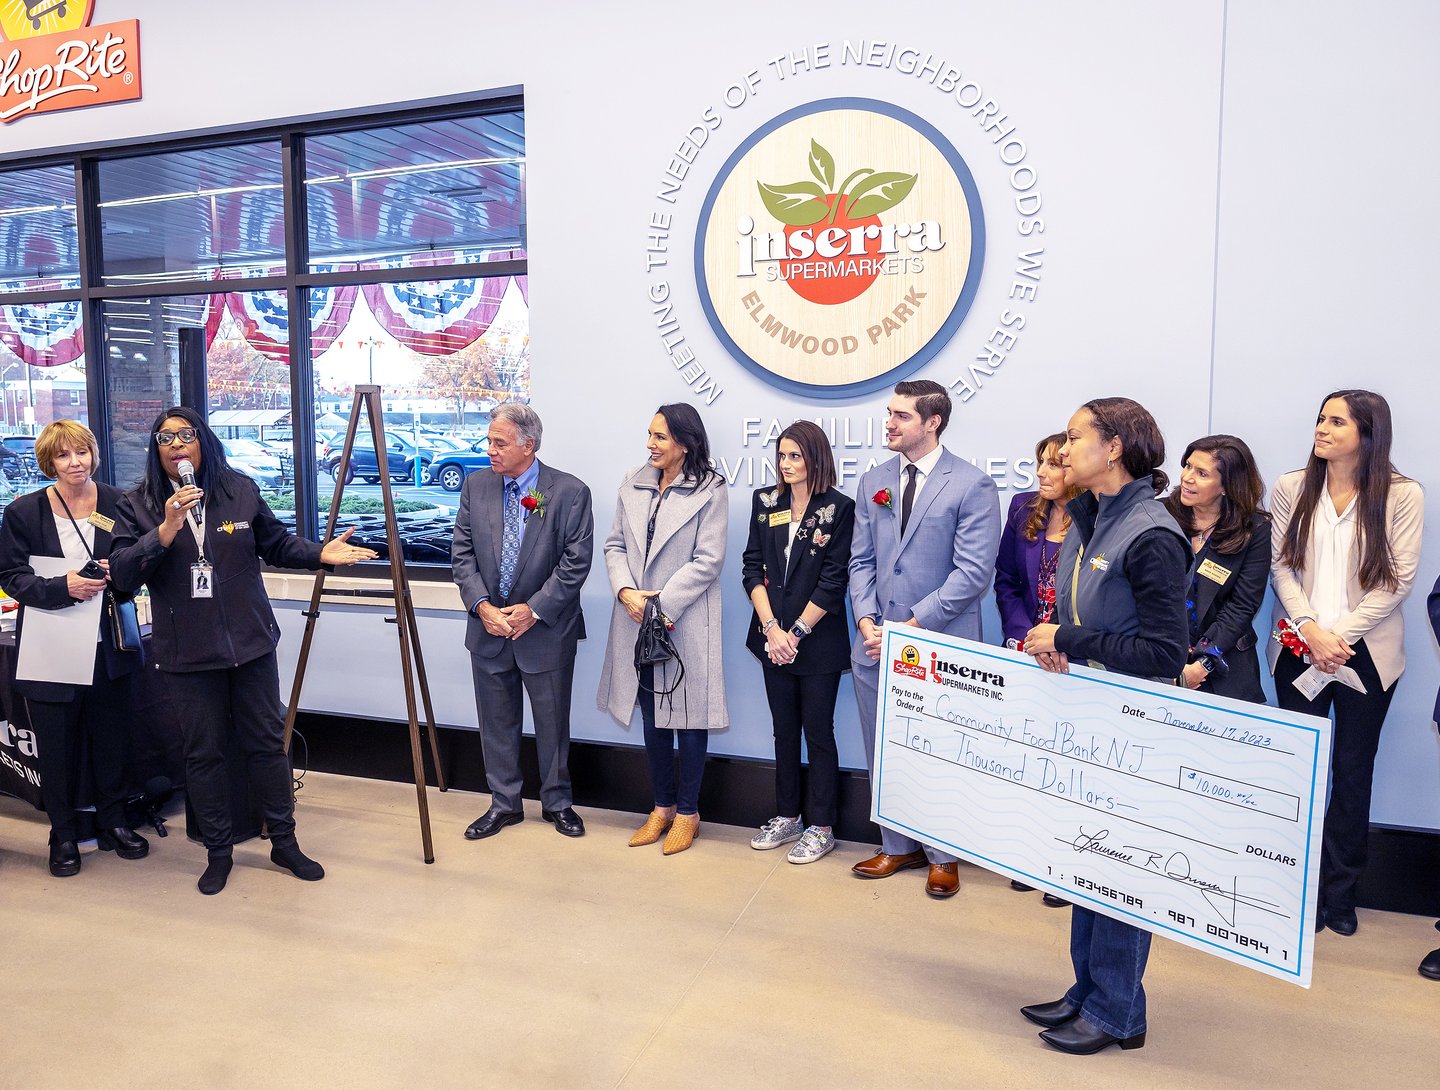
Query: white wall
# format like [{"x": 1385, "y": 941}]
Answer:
[{"x": 1234, "y": 224}]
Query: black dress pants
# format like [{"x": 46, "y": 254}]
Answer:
[
  {"x": 1356, "y": 737},
  {"x": 244, "y": 701},
  {"x": 96, "y": 720},
  {"x": 804, "y": 704}
]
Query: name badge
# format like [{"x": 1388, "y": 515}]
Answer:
[
  {"x": 780, "y": 518},
  {"x": 1213, "y": 571},
  {"x": 99, "y": 521},
  {"x": 202, "y": 581}
]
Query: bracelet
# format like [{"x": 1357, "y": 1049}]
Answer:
[{"x": 768, "y": 625}]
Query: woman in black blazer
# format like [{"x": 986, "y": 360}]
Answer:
[
  {"x": 796, "y": 573},
  {"x": 1218, "y": 504},
  {"x": 72, "y": 519}
]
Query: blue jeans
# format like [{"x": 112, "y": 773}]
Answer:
[
  {"x": 660, "y": 749},
  {"x": 1109, "y": 958}
]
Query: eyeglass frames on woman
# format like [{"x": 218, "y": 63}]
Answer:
[{"x": 185, "y": 435}]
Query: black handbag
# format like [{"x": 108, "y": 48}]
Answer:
[
  {"x": 124, "y": 621},
  {"x": 654, "y": 647}
]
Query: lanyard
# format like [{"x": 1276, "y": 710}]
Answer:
[
  {"x": 78, "y": 532},
  {"x": 196, "y": 522}
]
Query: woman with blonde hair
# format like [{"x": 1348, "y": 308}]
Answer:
[{"x": 72, "y": 519}]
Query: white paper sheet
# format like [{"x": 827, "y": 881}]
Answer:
[{"x": 59, "y": 644}]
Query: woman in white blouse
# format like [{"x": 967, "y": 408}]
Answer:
[{"x": 1346, "y": 546}]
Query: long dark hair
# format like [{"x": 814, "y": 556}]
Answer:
[
  {"x": 1142, "y": 447},
  {"x": 687, "y": 429},
  {"x": 213, "y": 474},
  {"x": 814, "y": 451},
  {"x": 1242, "y": 493},
  {"x": 1040, "y": 506},
  {"x": 1373, "y": 477}
]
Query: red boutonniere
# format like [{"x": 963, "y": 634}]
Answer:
[
  {"x": 882, "y": 498},
  {"x": 534, "y": 503},
  {"x": 1288, "y": 637}
]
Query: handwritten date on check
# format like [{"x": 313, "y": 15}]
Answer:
[{"x": 1193, "y": 816}]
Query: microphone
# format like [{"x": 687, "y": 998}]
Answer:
[{"x": 186, "y": 469}]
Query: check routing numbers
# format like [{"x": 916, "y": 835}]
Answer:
[{"x": 1192, "y": 816}]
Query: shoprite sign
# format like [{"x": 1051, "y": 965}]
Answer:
[{"x": 52, "y": 59}]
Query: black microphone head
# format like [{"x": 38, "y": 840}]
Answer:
[{"x": 186, "y": 469}]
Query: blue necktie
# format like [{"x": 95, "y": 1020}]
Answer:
[{"x": 510, "y": 543}]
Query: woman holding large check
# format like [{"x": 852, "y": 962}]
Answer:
[{"x": 1120, "y": 605}]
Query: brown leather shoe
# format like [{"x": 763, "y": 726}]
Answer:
[
  {"x": 654, "y": 828},
  {"x": 944, "y": 880},
  {"x": 883, "y": 866},
  {"x": 682, "y": 834}
]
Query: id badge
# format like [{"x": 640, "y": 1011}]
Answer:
[{"x": 202, "y": 580}]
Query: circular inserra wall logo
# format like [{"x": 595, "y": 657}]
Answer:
[
  {"x": 32, "y": 18},
  {"x": 840, "y": 247}
]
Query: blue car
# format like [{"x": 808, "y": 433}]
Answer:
[{"x": 450, "y": 467}]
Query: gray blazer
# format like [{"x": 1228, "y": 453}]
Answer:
[
  {"x": 684, "y": 566},
  {"x": 554, "y": 561},
  {"x": 941, "y": 568}
]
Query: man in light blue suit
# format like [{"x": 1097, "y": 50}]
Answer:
[{"x": 927, "y": 527}]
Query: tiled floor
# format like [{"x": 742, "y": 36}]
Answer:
[{"x": 530, "y": 960}]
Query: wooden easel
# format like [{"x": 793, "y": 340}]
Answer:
[{"x": 368, "y": 399}]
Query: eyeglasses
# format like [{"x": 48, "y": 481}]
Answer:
[{"x": 185, "y": 435}]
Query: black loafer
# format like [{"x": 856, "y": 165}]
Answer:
[
  {"x": 1052, "y": 1014},
  {"x": 1020, "y": 887},
  {"x": 126, "y": 843},
  {"x": 1342, "y": 921},
  {"x": 1051, "y": 901},
  {"x": 64, "y": 859},
  {"x": 1080, "y": 1038},
  {"x": 1320, "y": 920},
  {"x": 491, "y": 822},
  {"x": 1430, "y": 967},
  {"x": 567, "y": 822}
]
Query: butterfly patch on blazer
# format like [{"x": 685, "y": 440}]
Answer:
[
  {"x": 822, "y": 539},
  {"x": 826, "y": 515}
]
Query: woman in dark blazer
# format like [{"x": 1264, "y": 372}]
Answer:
[
  {"x": 1218, "y": 505},
  {"x": 72, "y": 519},
  {"x": 795, "y": 571}
]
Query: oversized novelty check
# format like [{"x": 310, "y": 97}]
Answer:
[{"x": 1195, "y": 817}]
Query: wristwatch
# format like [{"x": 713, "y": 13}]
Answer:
[{"x": 800, "y": 630}]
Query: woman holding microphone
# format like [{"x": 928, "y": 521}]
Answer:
[
  {"x": 195, "y": 531},
  {"x": 795, "y": 572},
  {"x": 1120, "y": 605},
  {"x": 1347, "y": 544},
  {"x": 73, "y": 519}
]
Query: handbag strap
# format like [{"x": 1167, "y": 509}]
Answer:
[{"x": 88, "y": 551}]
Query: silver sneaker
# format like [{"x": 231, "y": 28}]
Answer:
[
  {"x": 775, "y": 832},
  {"x": 815, "y": 843}
]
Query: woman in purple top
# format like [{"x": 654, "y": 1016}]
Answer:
[
  {"x": 1025, "y": 564},
  {"x": 1030, "y": 546}
]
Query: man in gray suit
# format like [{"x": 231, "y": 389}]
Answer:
[
  {"x": 521, "y": 552},
  {"x": 927, "y": 526}
]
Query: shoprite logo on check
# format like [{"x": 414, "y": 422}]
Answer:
[{"x": 908, "y": 663}]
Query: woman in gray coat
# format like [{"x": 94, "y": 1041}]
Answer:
[{"x": 669, "y": 540}]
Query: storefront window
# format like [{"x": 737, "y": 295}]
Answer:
[
  {"x": 444, "y": 354},
  {"x": 437, "y": 193},
  {"x": 39, "y": 242},
  {"x": 189, "y": 215}
]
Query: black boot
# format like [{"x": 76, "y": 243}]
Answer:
[
  {"x": 286, "y": 853},
  {"x": 217, "y": 871},
  {"x": 64, "y": 858},
  {"x": 124, "y": 842}
]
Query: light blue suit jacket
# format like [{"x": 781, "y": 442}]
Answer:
[{"x": 943, "y": 565}]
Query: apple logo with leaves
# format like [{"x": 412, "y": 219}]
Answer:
[{"x": 831, "y": 225}]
